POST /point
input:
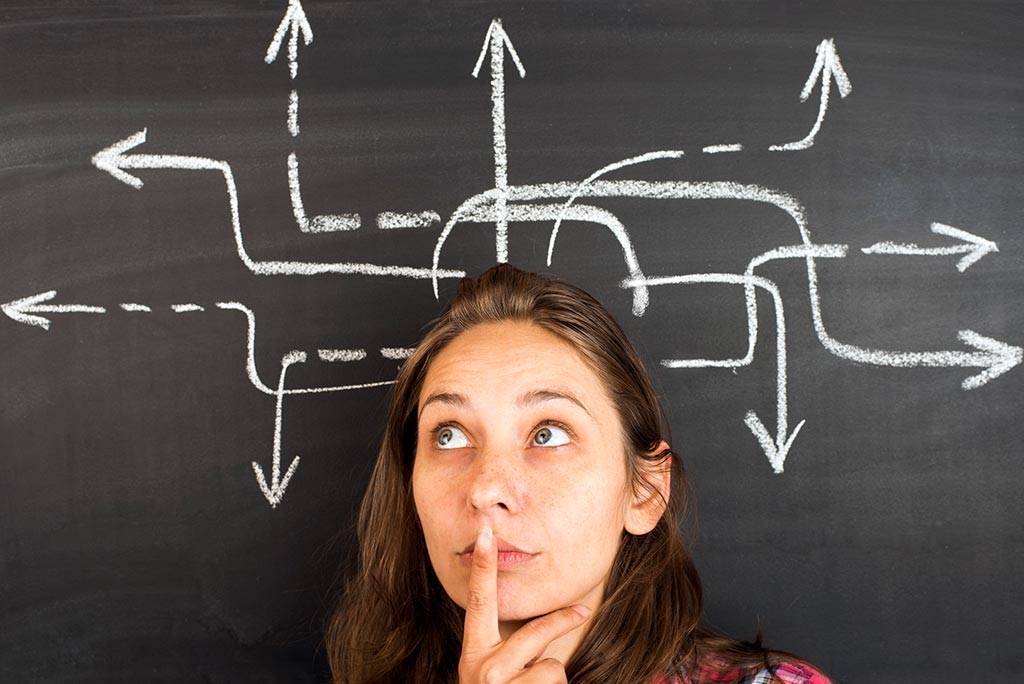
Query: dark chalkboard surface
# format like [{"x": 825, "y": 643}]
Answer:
[{"x": 188, "y": 298}]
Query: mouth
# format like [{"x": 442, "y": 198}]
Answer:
[{"x": 509, "y": 555}]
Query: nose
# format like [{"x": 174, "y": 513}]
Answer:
[{"x": 494, "y": 482}]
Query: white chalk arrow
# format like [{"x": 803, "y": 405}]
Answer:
[
  {"x": 973, "y": 247},
  {"x": 275, "y": 491},
  {"x": 295, "y": 21},
  {"x": 496, "y": 42},
  {"x": 114, "y": 160},
  {"x": 24, "y": 310},
  {"x": 826, "y": 68}
]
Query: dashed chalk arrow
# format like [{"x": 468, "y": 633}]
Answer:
[
  {"x": 973, "y": 247},
  {"x": 25, "y": 310}
]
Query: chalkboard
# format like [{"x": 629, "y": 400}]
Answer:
[{"x": 223, "y": 224}]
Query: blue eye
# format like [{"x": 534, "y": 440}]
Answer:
[
  {"x": 550, "y": 436},
  {"x": 449, "y": 437}
]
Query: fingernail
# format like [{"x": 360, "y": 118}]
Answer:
[
  {"x": 582, "y": 610},
  {"x": 484, "y": 540}
]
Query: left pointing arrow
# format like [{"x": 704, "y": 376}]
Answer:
[{"x": 24, "y": 310}]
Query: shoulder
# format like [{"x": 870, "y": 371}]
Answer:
[
  {"x": 793, "y": 673},
  {"x": 782, "y": 672}
]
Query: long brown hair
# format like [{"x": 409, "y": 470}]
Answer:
[{"x": 396, "y": 624}]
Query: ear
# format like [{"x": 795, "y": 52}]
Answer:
[{"x": 647, "y": 503}]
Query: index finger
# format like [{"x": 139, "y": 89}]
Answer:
[{"x": 481, "y": 628}]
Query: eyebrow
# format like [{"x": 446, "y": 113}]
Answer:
[
  {"x": 534, "y": 397},
  {"x": 449, "y": 398},
  {"x": 531, "y": 398}
]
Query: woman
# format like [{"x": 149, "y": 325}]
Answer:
[{"x": 522, "y": 521}]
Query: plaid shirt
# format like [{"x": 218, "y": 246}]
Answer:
[{"x": 785, "y": 673}]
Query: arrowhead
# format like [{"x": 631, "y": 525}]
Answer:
[
  {"x": 827, "y": 65},
  {"x": 109, "y": 159},
  {"x": 496, "y": 34},
  {"x": 275, "y": 492},
  {"x": 996, "y": 357},
  {"x": 981, "y": 245},
  {"x": 19, "y": 309},
  {"x": 775, "y": 450},
  {"x": 294, "y": 19}
]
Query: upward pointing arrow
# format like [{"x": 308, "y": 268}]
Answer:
[
  {"x": 827, "y": 68},
  {"x": 294, "y": 19},
  {"x": 495, "y": 42}
]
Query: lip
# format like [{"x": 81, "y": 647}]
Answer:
[{"x": 509, "y": 555}]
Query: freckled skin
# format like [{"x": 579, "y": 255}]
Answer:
[{"x": 568, "y": 504}]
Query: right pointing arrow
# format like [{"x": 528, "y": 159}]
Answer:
[
  {"x": 828, "y": 67},
  {"x": 972, "y": 247}
]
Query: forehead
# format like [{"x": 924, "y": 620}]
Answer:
[{"x": 509, "y": 358}]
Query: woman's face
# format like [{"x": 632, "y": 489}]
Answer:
[{"x": 517, "y": 432}]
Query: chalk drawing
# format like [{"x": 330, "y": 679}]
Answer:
[
  {"x": 828, "y": 67},
  {"x": 389, "y": 220},
  {"x": 27, "y": 309},
  {"x": 333, "y": 355},
  {"x": 495, "y": 42},
  {"x": 293, "y": 113},
  {"x": 275, "y": 491},
  {"x": 296, "y": 22},
  {"x": 114, "y": 160},
  {"x": 558, "y": 201},
  {"x": 973, "y": 247},
  {"x": 716, "y": 149},
  {"x": 131, "y": 306},
  {"x": 318, "y": 224},
  {"x": 396, "y": 353},
  {"x": 185, "y": 308}
]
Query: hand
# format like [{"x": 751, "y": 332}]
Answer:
[{"x": 486, "y": 659}]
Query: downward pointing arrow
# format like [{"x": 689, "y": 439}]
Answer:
[
  {"x": 294, "y": 19},
  {"x": 828, "y": 67},
  {"x": 776, "y": 449},
  {"x": 22, "y": 310}
]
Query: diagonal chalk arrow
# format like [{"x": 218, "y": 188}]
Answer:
[
  {"x": 973, "y": 247},
  {"x": 25, "y": 310},
  {"x": 294, "y": 20},
  {"x": 827, "y": 68},
  {"x": 496, "y": 42}
]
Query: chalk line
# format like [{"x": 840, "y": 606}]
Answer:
[
  {"x": 294, "y": 19},
  {"x": 973, "y": 247},
  {"x": 494, "y": 41},
  {"x": 275, "y": 492},
  {"x": 716, "y": 149},
  {"x": 397, "y": 353},
  {"x": 828, "y": 66},
  {"x": 323, "y": 223},
  {"x": 131, "y": 306},
  {"x": 389, "y": 220},
  {"x": 26, "y": 309},
  {"x": 775, "y": 449},
  {"x": 250, "y": 360},
  {"x": 114, "y": 160},
  {"x": 185, "y": 308},
  {"x": 335, "y": 355},
  {"x": 293, "y": 113}
]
